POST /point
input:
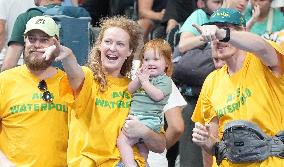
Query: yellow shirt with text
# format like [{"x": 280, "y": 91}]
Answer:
[
  {"x": 33, "y": 132},
  {"x": 96, "y": 121},
  {"x": 253, "y": 94}
]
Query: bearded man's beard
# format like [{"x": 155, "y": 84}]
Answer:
[{"x": 35, "y": 64}]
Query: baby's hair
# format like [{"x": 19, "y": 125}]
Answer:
[{"x": 164, "y": 49}]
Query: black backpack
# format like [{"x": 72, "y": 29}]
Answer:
[{"x": 192, "y": 67}]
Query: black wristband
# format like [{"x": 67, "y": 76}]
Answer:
[{"x": 227, "y": 37}]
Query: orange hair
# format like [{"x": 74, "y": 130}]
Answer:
[{"x": 164, "y": 49}]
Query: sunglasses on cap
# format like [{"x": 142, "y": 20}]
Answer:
[{"x": 46, "y": 96}]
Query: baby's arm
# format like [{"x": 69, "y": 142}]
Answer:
[
  {"x": 134, "y": 85},
  {"x": 154, "y": 92},
  {"x": 143, "y": 76}
]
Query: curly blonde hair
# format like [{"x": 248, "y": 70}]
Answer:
[
  {"x": 164, "y": 49},
  {"x": 136, "y": 38}
]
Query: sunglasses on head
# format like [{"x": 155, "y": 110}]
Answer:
[{"x": 46, "y": 96}]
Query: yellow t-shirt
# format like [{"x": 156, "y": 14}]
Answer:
[
  {"x": 96, "y": 121},
  {"x": 252, "y": 94},
  {"x": 34, "y": 133}
]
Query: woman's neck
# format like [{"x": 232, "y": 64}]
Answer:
[{"x": 115, "y": 74}]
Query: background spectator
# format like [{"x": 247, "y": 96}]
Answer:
[
  {"x": 9, "y": 11},
  {"x": 124, "y": 7},
  {"x": 189, "y": 38},
  {"x": 278, "y": 4},
  {"x": 97, "y": 10},
  {"x": 177, "y": 11},
  {"x": 266, "y": 21},
  {"x": 72, "y": 2},
  {"x": 16, "y": 41},
  {"x": 150, "y": 12}
]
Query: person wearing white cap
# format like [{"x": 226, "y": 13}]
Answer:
[{"x": 33, "y": 118}]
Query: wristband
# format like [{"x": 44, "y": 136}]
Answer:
[{"x": 227, "y": 37}]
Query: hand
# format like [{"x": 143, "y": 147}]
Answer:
[
  {"x": 210, "y": 32},
  {"x": 60, "y": 51},
  {"x": 201, "y": 134},
  {"x": 143, "y": 74},
  {"x": 4, "y": 162},
  {"x": 133, "y": 128},
  {"x": 255, "y": 13},
  {"x": 161, "y": 14},
  {"x": 171, "y": 24}
]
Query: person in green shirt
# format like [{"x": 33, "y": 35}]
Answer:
[{"x": 16, "y": 42}]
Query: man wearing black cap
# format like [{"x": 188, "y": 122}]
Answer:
[{"x": 239, "y": 115}]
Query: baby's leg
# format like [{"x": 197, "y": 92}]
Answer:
[
  {"x": 125, "y": 148},
  {"x": 144, "y": 151}
]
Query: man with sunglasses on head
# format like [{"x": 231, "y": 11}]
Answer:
[{"x": 33, "y": 118}]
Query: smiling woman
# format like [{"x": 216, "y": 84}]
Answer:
[
  {"x": 101, "y": 102},
  {"x": 114, "y": 50}
]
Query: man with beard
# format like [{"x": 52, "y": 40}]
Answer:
[
  {"x": 16, "y": 40},
  {"x": 239, "y": 114},
  {"x": 33, "y": 117}
]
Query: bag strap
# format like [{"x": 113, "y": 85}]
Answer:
[
  {"x": 47, "y": 11},
  {"x": 57, "y": 10},
  {"x": 42, "y": 9},
  {"x": 269, "y": 21}
]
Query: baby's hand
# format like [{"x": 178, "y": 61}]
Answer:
[{"x": 143, "y": 74}]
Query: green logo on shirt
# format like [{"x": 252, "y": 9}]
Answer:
[
  {"x": 44, "y": 106},
  {"x": 38, "y": 107},
  {"x": 120, "y": 100},
  {"x": 234, "y": 102}
]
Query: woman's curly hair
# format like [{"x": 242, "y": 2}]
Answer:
[{"x": 136, "y": 39}]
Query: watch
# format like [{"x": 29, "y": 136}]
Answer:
[{"x": 227, "y": 37}]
